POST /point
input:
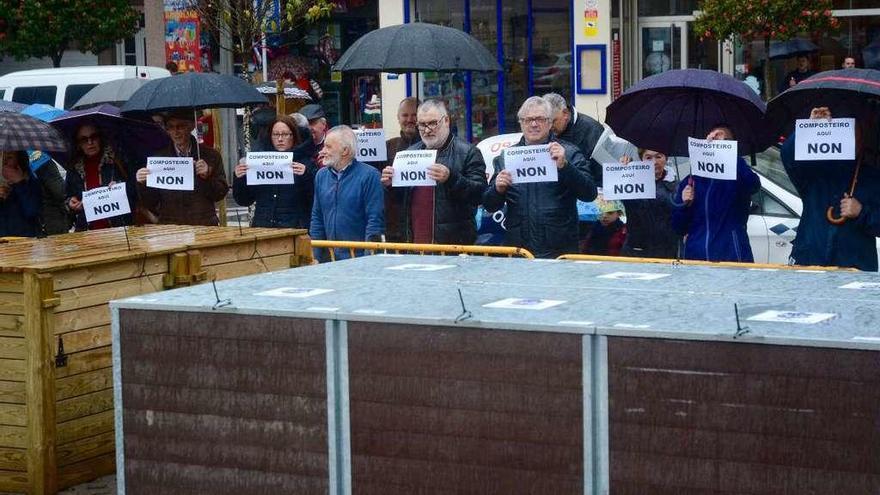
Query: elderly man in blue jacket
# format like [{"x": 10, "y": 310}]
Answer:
[{"x": 349, "y": 200}]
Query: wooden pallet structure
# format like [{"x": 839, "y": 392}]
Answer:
[{"x": 56, "y": 385}]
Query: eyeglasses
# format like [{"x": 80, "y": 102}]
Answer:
[
  {"x": 429, "y": 126},
  {"x": 533, "y": 120},
  {"x": 282, "y": 134},
  {"x": 91, "y": 138}
]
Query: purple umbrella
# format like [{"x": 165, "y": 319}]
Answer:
[
  {"x": 662, "y": 111},
  {"x": 134, "y": 137}
]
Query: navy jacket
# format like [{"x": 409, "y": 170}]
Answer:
[
  {"x": 821, "y": 184},
  {"x": 20, "y": 211},
  {"x": 715, "y": 222},
  {"x": 348, "y": 206},
  {"x": 542, "y": 217},
  {"x": 281, "y": 205},
  {"x": 649, "y": 224}
]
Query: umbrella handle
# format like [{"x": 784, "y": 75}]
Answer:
[{"x": 829, "y": 215}]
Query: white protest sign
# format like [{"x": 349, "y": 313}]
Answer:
[
  {"x": 105, "y": 202},
  {"x": 634, "y": 180},
  {"x": 833, "y": 139},
  {"x": 174, "y": 173},
  {"x": 371, "y": 145},
  {"x": 411, "y": 168},
  {"x": 530, "y": 164},
  {"x": 269, "y": 167},
  {"x": 713, "y": 159}
]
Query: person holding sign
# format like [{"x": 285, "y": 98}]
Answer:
[
  {"x": 649, "y": 221},
  {"x": 445, "y": 213},
  {"x": 94, "y": 164},
  {"x": 713, "y": 213},
  {"x": 280, "y": 205},
  {"x": 348, "y": 195},
  {"x": 850, "y": 242},
  {"x": 20, "y": 197},
  {"x": 541, "y": 216},
  {"x": 194, "y": 207},
  {"x": 409, "y": 135}
]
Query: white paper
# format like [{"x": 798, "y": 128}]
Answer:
[
  {"x": 657, "y": 46},
  {"x": 633, "y": 276},
  {"x": 523, "y": 303},
  {"x": 530, "y": 164},
  {"x": 833, "y": 139},
  {"x": 411, "y": 168},
  {"x": 293, "y": 292},
  {"x": 371, "y": 145},
  {"x": 419, "y": 267},
  {"x": 861, "y": 286},
  {"x": 172, "y": 173},
  {"x": 634, "y": 180},
  {"x": 269, "y": 167},
  {"x": 713, "y": 159},
  {"x": 105, "y": 202},
  {"x": 801, "y": 317}
]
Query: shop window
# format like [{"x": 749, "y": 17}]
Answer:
[{"x": 666, "y": 7}]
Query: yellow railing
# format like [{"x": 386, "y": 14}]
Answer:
[
  {"x": 729, "y": 264},
  {"x": 404, "y": 247}
]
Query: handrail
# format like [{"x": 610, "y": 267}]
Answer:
[
  {"x": 398, "y": 247},
  {"x": 727, "y": 264}
]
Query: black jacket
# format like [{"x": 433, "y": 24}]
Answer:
[
  {"x": 113, "y": 169},
  {"x": 649, "y": 224},
  {"x": 456, "y": 200},
  {"x": 542, "y": 217},
  {"x": 584, "y": 132}
]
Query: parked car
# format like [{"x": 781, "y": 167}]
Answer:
[
  {"x": 551, "y": 72},
  {"x": 775, "y": 210}
]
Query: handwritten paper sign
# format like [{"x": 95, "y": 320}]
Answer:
[
  {"x": 411, "y": 168},
  {"x": 269, "y": 167},
  {"x": 713, "y": 159},
  {"x": 105, "y": 202},
  {"x": 833, "y": 139},
  {"x": 530, "y": 164},
  {"x": 634, "y": 180},
  {"x": 371, "y": 145},
  {"x": 174, "y": 173}
]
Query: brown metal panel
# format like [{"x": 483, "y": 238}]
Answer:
[
  {"x": 718, "y": 417},
  {"x": 446, "y": 410},
  {"x": 218, "y": 403}
]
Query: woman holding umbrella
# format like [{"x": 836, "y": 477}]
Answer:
[
  {"x": 20, "y": 197},
  {"x": 286, "y": 205},
  {"x": 94, "y": 164}
]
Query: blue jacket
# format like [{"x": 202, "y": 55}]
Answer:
[
  {"x": 280, "y": 205},
  {"x": 20, "y": 211},
  {"x": 348, "y": 206},
  {"x": 715, "y": 222},
  {"x": 821, "y": 184}
]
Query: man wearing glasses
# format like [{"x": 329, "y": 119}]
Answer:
[
  {"x": 542, "y": 216},
  {"x": 445, "y": 213}
]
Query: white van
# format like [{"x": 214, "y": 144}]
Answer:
[{"x": 64, "y": 86}]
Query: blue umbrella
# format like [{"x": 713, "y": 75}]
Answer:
[
  {"x": 662, "y": 111},
  {"x": 791, "y": 48},
  {"x": 45, "y": 113}
]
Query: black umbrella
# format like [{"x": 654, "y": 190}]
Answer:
[
  {"x": 791, "y": 48},
  {"x": 662, "y": 111},
  {"x": 21, "y": 132},
  {"x": 416, "y": 47},
  {"x": 193, "y": 90}
]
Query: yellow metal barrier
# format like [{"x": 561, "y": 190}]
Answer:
[
  {"x": 404, "y": 247},
  {"x": 728, "y": 264}
]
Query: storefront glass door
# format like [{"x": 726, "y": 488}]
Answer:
[{"x": 661, "y": 47}]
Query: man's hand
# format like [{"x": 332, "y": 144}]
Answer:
[
  {"x": 625, "y": 159},
  {"x": 438, "y": 172},
  {"x": 240, "y": 169},
  {"x": 202, "y": 169},
  {"x": 503, "y": 181},
  {"x": 4, "y": 191},
  {"x": 820, "y": 113},
  {"x": 142, "y": 174},
  {"x": 557, "y": 153},
  {"x": 387, "y": 175},
  {"x": 298, "y": 168},
  {"x": 850, "y": 207},
  {"x": 74, "y": 204}
]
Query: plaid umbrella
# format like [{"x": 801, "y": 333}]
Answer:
[{"x": 20, "y": 132}]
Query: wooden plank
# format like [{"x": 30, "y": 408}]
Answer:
[
  {"x": 81, "y": 362},
  {"x": 84, "y": 383},
  {"x": 11, "y": 304},
  {"x": 85, "y": 405},
  {"x": 110, "y": 272},
  {"x": 87, "y": 426},
  {"x": 15, "y": 437},
  {"x": 12, "y": 392},
  {"x": 40, "y": 384},
  {"x": 13, "y": 415},
  {"x": 12, "y": 348},
  {"x": 94, "y": 295},
  {"x": 80, "y": 319},
  {"x": 14, "y": 481},
  {"x": 86, "y": 448},
  {"x": 13, "y": 370},
  {"x": 83, "y": 340},
  {"x": 11, "y": 282},
  {"x": 246, "y": 250},
  {"x": 12, "y": 325},
  {"x": 249, "y": 267},
  {"x": 88, "y": 470},
  {"x": 13, "y": 459}
]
